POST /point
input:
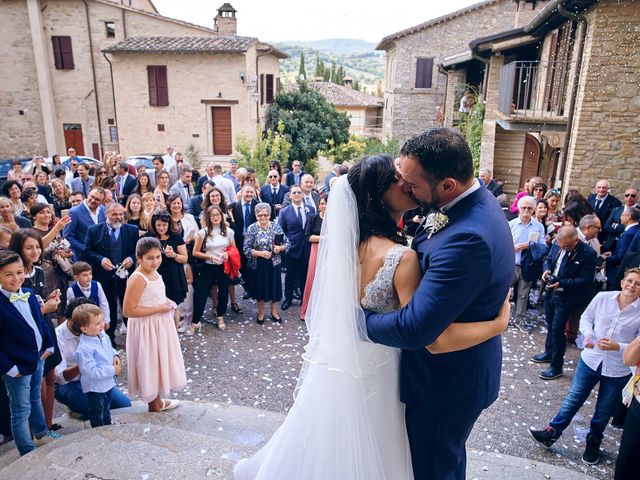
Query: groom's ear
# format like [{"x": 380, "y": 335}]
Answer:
[{"x": 448, "y": 184}]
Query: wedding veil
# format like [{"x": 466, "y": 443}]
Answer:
[{"x": 329, "y": 432}]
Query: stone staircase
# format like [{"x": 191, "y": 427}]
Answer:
[{"x": 194, "y": 441}]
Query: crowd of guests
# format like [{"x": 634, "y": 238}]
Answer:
[
  {"x": 88, "y": 251},
  {"x": 582, "y": 257},
  {"x": 100, "y": 247}
]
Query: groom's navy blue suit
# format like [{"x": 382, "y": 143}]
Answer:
[{"x": 468, "y": 269}]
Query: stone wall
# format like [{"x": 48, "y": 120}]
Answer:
[
  {"x": 414, "y": 110},
  {"x": 196, "y": 83},
  {"x": 605, "y": 141},
  {"x": 74, "y": 91}
]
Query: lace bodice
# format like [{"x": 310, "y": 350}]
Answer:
[{"x": 379, "y": 295}]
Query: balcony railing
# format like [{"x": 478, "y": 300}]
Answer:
[{"x": 534, "y": 90}]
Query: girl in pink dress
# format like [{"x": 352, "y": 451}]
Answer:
[{"x": 154, "y": 359}]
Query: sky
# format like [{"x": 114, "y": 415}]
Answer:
[{"x": 281, "y": 20}]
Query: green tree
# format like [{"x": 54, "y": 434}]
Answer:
[
  {"x": 471, "y": 127},
  {"x": 319, "y": 67},
  {"x": 310, "y": 122},
  {"x": 332, "y": 78},
  {"x": 269, "y": 146},
  {"x": 302, "y": 74},
  {"x": 339, "y": 75},
  {"x": 327, "y": 75},
  {"x": 356, "y": 85},
  {"x": 350, "y": 151},
  {"x": 376, "y": 147}
]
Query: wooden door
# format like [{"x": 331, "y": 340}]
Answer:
[
  {"x": 73, "y": 137},
  {"x": 222, "y": 142},
  {"x": 530, "y": 159}
]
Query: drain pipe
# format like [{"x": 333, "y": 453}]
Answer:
[
  {"x": 113, "y": 95},
  {"x": 576, "y": 81},
  {"x": 442, "y": 70},
  {"x": 258, "y": 55}
]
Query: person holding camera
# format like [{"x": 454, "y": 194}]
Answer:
[
  {"x": 569, "y": 271},
  {"x": 111, "y": 251}
]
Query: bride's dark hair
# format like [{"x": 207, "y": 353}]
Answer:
[{"x": 369, "y": 179}]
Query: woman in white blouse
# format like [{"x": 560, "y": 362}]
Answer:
[{"x": 211, "y": 245}]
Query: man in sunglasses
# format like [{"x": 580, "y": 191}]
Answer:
[
  {"x": 613, "y": 227},
  {"x": 273, "y": 193}
]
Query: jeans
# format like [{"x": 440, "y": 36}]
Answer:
[
  {"x": 557, "y": 313},
  {"x": 583, "y": 382},
  {"x": 99, "y": 408},
  {"x": 72, "y": 396},
  {"x": 26, "y": 408}
]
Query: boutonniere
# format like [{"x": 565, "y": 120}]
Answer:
[
  {"x": 306, "y": 210},
  {"x": 435, "y": 222}
]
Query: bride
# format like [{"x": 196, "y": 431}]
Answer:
[{"x": 347, "y": 421}]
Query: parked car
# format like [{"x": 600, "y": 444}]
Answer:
[
  {"x": 142, "y": 159},
  {"x": 6, "y": 164},
  {"x": 64, "y": 161}
]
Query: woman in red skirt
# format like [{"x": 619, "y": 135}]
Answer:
[{"x": 312, "y": 234}]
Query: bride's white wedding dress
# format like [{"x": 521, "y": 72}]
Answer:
[{"x": 347, "y": 421}]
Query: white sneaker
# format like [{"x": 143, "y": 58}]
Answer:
[
  {"x": 123, "y": 329},
  {"x": 183, "y": 328}
]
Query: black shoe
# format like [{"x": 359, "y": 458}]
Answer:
[
  {"x": 550, "y": 374},
  {"x": 542, "y": 358},
  {"x": 546, "y": 437},
  {"x": 285, "y": 304},
  {"x": 591, "y": 455},
  {"x": 246, "y": 296},
  {"x": 259, "y": 320},
  {"x": 571, "y": 343},
  {"x": 277, "y": 319}
]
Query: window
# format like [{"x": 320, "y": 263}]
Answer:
[
  {"x": 262, "y": 89},
  {"x": 158, "y": 88},
  {"x": 111, "y": 29},
  {"x": 62, "y": 52},
  {"x": 113, "y": 134},
  {"x": 269, "y": 90},
  {"x": 424, "y": 72}
]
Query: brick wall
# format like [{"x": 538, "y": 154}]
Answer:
[{"x": 605, "y": 141}]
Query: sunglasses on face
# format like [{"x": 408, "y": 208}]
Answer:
[{"x": 633, "y": 195}]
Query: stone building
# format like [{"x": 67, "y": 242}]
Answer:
[
  {"x": 414, "y": 94},
  {"x": 562, "y": 97},
  {"x": 364, "y": 110},
  {"x": 59, "y": 86}
]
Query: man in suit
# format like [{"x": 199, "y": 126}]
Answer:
[
  {"x": 244, "y": 214},
  {"x": 205, "y": 178},
  {"x": 125, "y": 183},
  {"x": 630, "y": 218},
  {"x": 310, "y": 199},
  {"x": 89, "y": 212},
  {"x": 293, "y": 219},
  {"x": 603, "y": 204},
  {"x": 273, "y": 193},
  {"x": 110, "y": 245},
  {"x": 494, "y": 187},
  {"x": 294, "y": 176},
  {"x": 614, "y": 228},
  {"x": 183, "y": 186},
  {"x": 83, "y": 182},
  {"x": 195, "y": 204},
  {"x": 569, "y": 271},
  {"x": 468, "y": 269}
]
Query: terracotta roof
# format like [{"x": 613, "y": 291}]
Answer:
[
  {"x": 342, "y": 96},
  {"x": 212, "y": 44},
  {"x": 389, "y": 38}
]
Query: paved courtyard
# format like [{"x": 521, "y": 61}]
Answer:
[{"x": 257, "y": 366}]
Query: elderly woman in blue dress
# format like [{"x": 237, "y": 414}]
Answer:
[{"x": 264, "y": 244}]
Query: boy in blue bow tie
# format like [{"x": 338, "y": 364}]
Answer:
[{"x": 25, "y": 342}]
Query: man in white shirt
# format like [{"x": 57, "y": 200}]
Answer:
[
  {"x": 224, "y": 184},
  {"x": 170, "y": 164},
  {"x": 609, "y": 324},
  {"x": 524, "y": 229}
]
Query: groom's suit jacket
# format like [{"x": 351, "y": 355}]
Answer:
[{"x": 468, "y": 269}]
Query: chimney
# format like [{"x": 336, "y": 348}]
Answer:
[
  {"x": 225, "y": 21},
  {"x": 348, "y": 82}
]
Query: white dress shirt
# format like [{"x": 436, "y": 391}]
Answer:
[
  {"x": 466, "y": 193},
  {"x": 94, "y": 215},
  {"x": 102, "y": 299},
  {"x": 170, "y": 164},
  {"x": 227, "y": 187},
  {"x": 604, "y": 319},
  {"x": 68, "y": 344},
  {"x": 521, "y": 233}
]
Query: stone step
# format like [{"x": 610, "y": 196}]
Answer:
[{"x": 195, "y": 441}]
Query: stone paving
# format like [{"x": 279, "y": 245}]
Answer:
[{"x": 257, "y": 366}]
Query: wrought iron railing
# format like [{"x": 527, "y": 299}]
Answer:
[{"x": 534, "y": 90}]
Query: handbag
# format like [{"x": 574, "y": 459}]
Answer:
[
  {"x": 198, "y": 264},
  {"x": 628, "y": 392}
]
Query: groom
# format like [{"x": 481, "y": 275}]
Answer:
[{"x": 467, "y": 260}]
